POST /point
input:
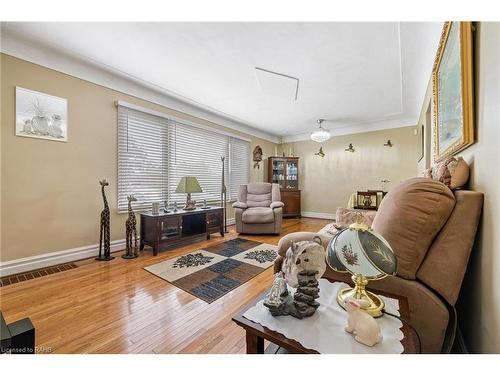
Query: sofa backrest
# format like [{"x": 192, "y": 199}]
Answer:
[
  {"x": 432, "y": 230},
  {"x": 445, "y": 263},
  {"x": 259, "y": 194},
  {"x": 410, "y": 217}
]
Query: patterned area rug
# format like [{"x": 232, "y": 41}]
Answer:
[{"x": 211, "y": 272}]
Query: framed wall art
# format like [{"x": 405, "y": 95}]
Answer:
[
  {"x": 452, "y": 87},
  {"x": 40, "y": 115},
  {"x": 366, "y": 200},
  {"x": 420, "y": 142}
]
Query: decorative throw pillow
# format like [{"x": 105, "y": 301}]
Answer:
[
  {"x": 452, "y": 172},
  {"x": 346, "y": 216},
  {"x": 428, "y": 173}
]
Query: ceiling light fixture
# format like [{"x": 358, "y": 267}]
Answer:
[{"x": 321, "y": 134}]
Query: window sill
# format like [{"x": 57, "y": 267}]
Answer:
[{"x": 139, "y": 210}]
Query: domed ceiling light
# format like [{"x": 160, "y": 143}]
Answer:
[{"x": 321, "y": 134}]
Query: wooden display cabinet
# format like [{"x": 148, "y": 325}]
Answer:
[{"x": 285, "y": 172}]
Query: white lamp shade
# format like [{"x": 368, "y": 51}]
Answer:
[{"x": 361, "y": 252}]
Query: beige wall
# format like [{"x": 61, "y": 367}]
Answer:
[
  {"x": 328, "y": 182},
  {"x": 479, "y": 305},
  {"x": 50, "y": 194}
]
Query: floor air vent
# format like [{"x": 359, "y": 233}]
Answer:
[{"x": 13, "y": 279}]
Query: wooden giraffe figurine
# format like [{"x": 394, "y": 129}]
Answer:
[
  {"x": 104, "y": 236},
  {"x": 130, "y": 230}
]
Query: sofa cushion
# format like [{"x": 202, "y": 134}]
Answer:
[
  {"x": 258, "y": 215},
  {"x": 347, "y": 216},
  {"x": 259, "y": 194},
  {"x": 262, "y": 200},
  {"x": 329, "y": 230},
  {"x": 258, "y": 188},
  {"x": 409, "y": 218},
  {"x": 451, "y": 248}
]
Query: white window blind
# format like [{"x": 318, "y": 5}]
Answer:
[
  {"x": 142, "y": 158},
  {"x": 197, "y": 152},
  {"x": 154, "y": 153},
  {"x": 239, "y": 169}
]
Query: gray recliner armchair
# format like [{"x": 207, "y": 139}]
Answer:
[{"x": 259, "y": 209}]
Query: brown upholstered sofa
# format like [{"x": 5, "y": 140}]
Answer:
[
  {"x": 431, "y": 229},
  {"x": 259, "y": 209}
]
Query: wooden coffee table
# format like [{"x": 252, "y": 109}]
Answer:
[{"x": 256, "y": 334}]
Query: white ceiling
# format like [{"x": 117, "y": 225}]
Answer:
[{"x": 363, "y": 76}]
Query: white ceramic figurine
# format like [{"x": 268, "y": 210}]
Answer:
[
  {"x": 304, "y": 256},
  {"x": 278, "y": 290},
  {"x": 363, "y": 325}
]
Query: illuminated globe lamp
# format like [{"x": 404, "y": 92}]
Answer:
[{"x": 366, "y": 255}]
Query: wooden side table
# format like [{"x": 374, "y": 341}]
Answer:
[{"x": 256, "y": 333}]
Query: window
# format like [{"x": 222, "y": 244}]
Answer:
[
  {"x": 142, "y": 158},
  {"x": 197, "y": 152},
  {"x": 155, "y": 152},
  {"x": 239, "y": 168}
]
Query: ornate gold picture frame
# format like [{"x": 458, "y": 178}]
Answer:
[{"x": 453, "y": 90}]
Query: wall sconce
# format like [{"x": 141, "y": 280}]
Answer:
[
  {"x": 350, "y": 148},
  {"x": 384, "y": 183},
  {"x": 388, "y": 143},
  {"x": 320, "y": 152}
]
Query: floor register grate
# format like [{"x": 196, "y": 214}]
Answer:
[{"x": 20, "y": 277}]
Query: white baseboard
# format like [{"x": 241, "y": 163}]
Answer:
[
  {"x": 15, "y": 266},
  {"x": 318, "y": 215},
  {"x": 12, "y": 267}
]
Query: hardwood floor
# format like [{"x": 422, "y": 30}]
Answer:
[{"x": 118, "y": 307}]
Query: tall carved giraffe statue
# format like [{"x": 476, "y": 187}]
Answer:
[
  {"x": 130, "y": 229},
  {"x": 104, "y": 235},
  {"x": 223, "y": 196}
]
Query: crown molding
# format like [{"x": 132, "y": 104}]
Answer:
[
  {"x": 355, "y": 129},
  {"x": 80, "y": 67}
]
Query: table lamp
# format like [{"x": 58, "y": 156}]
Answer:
[
  {"x": 189, "y": 185},
  {"x": 366, "y": 255}
]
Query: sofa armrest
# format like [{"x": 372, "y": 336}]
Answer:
[
  {"x": 240, "y": 205},
  {"x": 276, "y": 204}
]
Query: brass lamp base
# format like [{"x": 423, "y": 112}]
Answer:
[{"x": 373, "y": 303}]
